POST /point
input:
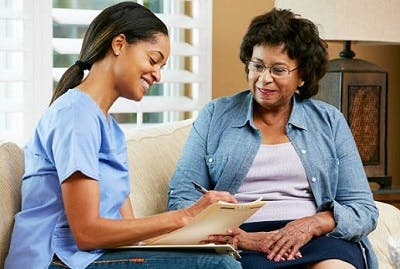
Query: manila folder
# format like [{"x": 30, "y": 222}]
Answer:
[{"x": 215, "y": 219}]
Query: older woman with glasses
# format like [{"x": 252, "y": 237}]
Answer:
[{"x": 274, "y": 142}]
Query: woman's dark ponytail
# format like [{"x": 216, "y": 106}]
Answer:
[
  {"x": 133, "y": 20},
  {"x": 70, "y": 79}
]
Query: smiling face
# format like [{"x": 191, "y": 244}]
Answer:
[
  {"x": 273, "y": 93},
  {"x": 138, "y": 66}
]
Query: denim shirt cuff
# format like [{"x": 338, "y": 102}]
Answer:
[
  {"x": 341, "y": 219},
  {"x": 179, "y": 204}
]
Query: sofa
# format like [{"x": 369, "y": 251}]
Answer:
[{"x": 153, "y": 152}]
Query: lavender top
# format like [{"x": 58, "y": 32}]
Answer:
[{"x": 278, "y": 176}]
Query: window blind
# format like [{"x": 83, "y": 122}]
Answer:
[
  {"x": 40, "y": 38},
  {"x": 185, "y": 80},
  {"x": 25, "y": 66}
]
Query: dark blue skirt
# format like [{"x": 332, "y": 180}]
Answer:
[{"x": 318, "y": 249}]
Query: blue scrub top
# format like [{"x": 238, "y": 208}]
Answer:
[{"x": 73, "y": 135}]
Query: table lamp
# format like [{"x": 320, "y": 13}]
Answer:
[{"x": 357, "y": 87}]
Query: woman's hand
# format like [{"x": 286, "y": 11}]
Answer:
[
  {"x": 297, "y": 233},
  {"x": 261, "y": 242},
  {"x": 230, "y": 237},
  {"x": 286, "y": 242},
  {"x": 207, "y": 199}
]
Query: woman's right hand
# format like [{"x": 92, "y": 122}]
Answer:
[{"x": 207, "y": 199}]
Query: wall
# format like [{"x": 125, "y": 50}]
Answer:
[{"x": 230, "y": 21}]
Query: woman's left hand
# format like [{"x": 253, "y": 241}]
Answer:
[
  {"x": 282, "y": 244},
  {"x": 287, "y": 241}
]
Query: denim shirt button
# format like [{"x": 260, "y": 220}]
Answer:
[
  {"x": 303, "y": 151},
  {"x": 313, "y": 179},
  {"x": 210, "y": 160}
]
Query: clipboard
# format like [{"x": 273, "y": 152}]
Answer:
[
  {"x": 221, "y": 249},
  {"x": 215, "y": 219}
]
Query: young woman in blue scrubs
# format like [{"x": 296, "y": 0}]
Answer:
[{"x": 75, "y": 204}]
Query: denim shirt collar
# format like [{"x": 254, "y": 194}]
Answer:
[
  {"x": 245, "y": 115},
  {"x": 297, "y": 116}
]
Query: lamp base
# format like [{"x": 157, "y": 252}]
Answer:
[{"x": 347, "y": 52}]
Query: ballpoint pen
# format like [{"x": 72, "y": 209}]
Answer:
[{"x": 200, "y": 188}]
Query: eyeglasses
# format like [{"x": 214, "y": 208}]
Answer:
[{"x": 276, "y": 71}]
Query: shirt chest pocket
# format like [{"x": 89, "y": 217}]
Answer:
[
  {"x": 216, "y": 164},
  {"x": 328, "y": 167},
  {"x": 325, "y": 174},
  {"x": 113, "y": 171}
]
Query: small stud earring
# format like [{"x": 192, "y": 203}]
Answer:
[{"x": 117, "y": 53}]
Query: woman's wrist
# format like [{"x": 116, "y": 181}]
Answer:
[
  {"x": 251, "y": 241},
  {"x": 323, "y": 223},
  {"x": 183, "y": 217}
]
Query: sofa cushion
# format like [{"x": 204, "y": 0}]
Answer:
[
  {"x": 388, "y": 226},
  {"x": 153, "y": 153},
  {"x": 11, "y": 170}
]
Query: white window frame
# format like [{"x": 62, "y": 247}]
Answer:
[
  {"x": 37, "y": 71},
  {"x": 34, "y": 72},
  {"x": 199, "y": 77}
]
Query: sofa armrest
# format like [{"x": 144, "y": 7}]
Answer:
[
  {"x": 388, "y": 226},
  {"x": 11, "y": 170}
]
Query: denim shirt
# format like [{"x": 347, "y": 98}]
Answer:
[{"x": 224, "y": 141}]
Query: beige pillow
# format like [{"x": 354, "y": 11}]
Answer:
[{"x": 153, "y": 153}]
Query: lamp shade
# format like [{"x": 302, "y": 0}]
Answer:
[{"x": 353, "y": 20}]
